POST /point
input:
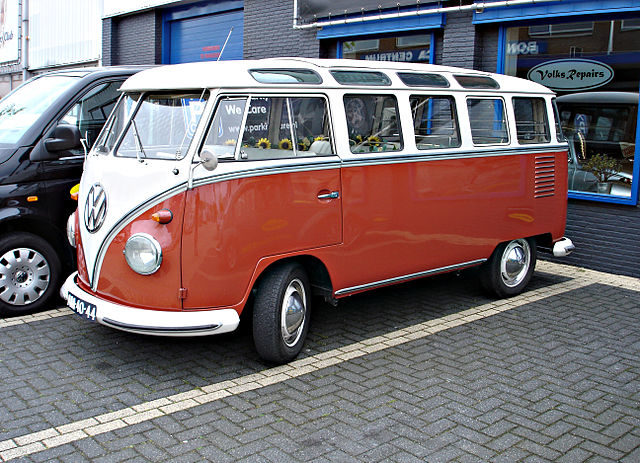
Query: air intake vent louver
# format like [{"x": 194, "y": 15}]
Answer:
[{"x": 545, "y": 176}]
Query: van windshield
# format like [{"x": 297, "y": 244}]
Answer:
[
  {"x": 162, "y": 126},
  {"x": 20, "y": 109}
]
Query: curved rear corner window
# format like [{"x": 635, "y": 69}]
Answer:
[
  {"x": 476, "y": 81},
  {"x": 361, "y": 78},
  {"x": 285, "y": 76},
  {"x": 412, "y": 79}
]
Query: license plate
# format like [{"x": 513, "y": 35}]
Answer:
[{"x": 83, "y": 308}]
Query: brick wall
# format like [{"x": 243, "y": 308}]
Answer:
[
  {"x": 459, "y": 41},
  {"x": 133, "y": 39},
  {"x": 268, "y": 31}
]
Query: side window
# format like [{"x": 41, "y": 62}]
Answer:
[
  {"x": 373, "y": 123},
  {"x": 225, "y": 128},
  {"x": 434, "y": 121},
  {"x": 531, "y": 120},
  {"x": 488, "y": 121},
  {"x": 286, "y": 127},
  {"x": 90, "y": 112}
]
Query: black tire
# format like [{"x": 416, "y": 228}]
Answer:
[
  {"x": 509, "y": 269},
  {"x": 279, "y": 339},
  {"x": 29, "y": 274}
]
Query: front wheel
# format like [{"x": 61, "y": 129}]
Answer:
[
  {"x": 29, "y": 273},
  {"x": 510, "y": 267},
  {"x": 281, "y": 313}
]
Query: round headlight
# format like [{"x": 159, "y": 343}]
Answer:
[
  {"x": 71, "y": 229},
  {"x": 143, "y": 254}
]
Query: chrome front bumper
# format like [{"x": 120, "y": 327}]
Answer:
[
  {"x": 152, "y": 322},
  {"x": 563, "y": 247}
]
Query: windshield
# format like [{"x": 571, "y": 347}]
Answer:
[
  {"x": 20, "y": 109},
  {"x": 162, "y": 127}
]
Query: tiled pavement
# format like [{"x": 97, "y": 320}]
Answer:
[{"x": 428, "y": 371}]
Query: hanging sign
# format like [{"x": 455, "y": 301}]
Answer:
[
  {"x": 9, "y": 33},
  {"x": 571, "y": 74}
]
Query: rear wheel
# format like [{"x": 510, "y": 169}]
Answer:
[
  {"x": 281, "y": 313},
  {"x": 29, "y": 273},
  {"x": 509, "y": 269}
]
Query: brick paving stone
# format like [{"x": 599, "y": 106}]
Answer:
[{"x": 554, "y": 379}]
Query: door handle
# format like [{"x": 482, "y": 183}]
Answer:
[{"x": 330, "y": 195}]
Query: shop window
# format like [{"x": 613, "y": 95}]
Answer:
[
  {"x": 434, "y": 122},
  {"x": 531, "y": 120},
  {"x": 278, "y": 128},
  {"x": 488, "y": 121},
  {"x": 594, "y": 68},
  {"x": 404, "y": 48},
  {"x": 373, "y": 123}
]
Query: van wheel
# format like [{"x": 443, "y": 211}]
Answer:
[
  {"x": 281, "y": 313},
  {"x": 29, "y": 273},
  {"x": 509, "y": 269}
]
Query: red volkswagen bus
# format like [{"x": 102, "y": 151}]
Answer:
[{"x": 289, "y": 178}]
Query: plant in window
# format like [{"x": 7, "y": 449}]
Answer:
[
  {"x": 264, "y": 144},
  {"x": 285, "y": 144},
  {"x": 604, "y": 168}
]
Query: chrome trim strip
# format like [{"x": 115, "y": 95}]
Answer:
[
  {"x": 155, "y": 330},
  {"x": 123, "y": 222},
  {"x": 268, "y": 170},
  {"x": 411, "y": 276}
]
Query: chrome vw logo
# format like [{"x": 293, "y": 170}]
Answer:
[{"x": 95, "y": 209}]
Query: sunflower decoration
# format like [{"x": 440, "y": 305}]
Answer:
[
  {"x": 319, "y": 138},
  {"x": 285, "y": 144},
  {"x": 264, "y": 144},
  {"x": 358, "y": 139},
  {"x": 374, "y": 140},
  {"x": 304, "y": 144},
  {"x": 230, "y": 142}
]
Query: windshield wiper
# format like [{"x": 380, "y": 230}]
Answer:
[{"x": 138, "y": 140}]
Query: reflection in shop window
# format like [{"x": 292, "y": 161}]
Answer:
[
  {"x": 405, "y": 48},
  {"x": 598, "y": 110}
]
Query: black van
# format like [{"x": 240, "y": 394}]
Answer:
[{"x": 45, "y": 126}]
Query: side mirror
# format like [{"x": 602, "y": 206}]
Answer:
[
  {"x": 64, "y": 137},
  {"x": 208, "y": 159}
]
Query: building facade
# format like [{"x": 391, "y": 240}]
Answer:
[
  {"x": 587, "y": 51},
  {"x": 37, "y": 36}
]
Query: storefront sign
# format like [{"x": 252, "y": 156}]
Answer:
[
  {"x": 403, "y": 55},
  {"x": 571, "y": 74},
  {"x": 9, "y": 34}
]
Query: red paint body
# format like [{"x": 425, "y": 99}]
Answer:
[{"x": 391, "y": 220}]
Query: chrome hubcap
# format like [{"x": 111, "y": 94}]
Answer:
[
  {"x": 294, "y": 311},
  {"x": 24, "y": 276},
  {"x": 515, "y": 262}
]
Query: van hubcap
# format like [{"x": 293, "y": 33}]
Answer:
[
  {"x": 294, "y": 311},
  {"x": 515, "y": 262},
  {"x": 24, "y": 276}
]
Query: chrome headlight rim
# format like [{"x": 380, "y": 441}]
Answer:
[
  {"x": 154, "y": 246},
  {"x": 71, "y": 230}
]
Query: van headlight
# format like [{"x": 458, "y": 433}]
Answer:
[
  {"x": 143, "y": 254},
  {"x": 71, "y": 229}
]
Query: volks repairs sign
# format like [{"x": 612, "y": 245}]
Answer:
[
  {"x": 571, "y": 74},
  {"x": 9, "y": 33}
]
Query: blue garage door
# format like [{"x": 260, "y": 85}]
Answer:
[{"x": 199, "y": 34}]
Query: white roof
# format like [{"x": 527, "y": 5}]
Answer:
[{"x": 235, "y": 74}]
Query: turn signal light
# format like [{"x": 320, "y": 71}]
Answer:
[
  {"x": 74, "y": 191},
  {"x": 32, "y": 199},
  {"x": 163, "y": 216}
]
